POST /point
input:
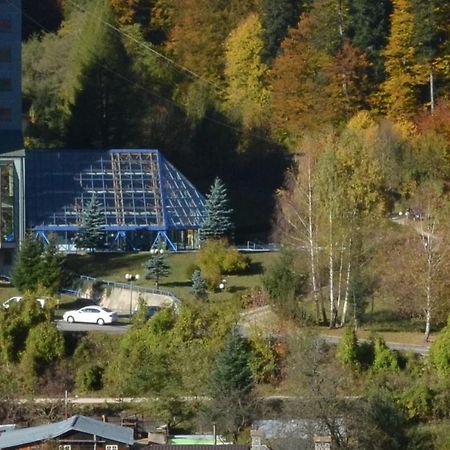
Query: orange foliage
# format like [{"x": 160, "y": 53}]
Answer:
[{"x": 438, "y": 121}]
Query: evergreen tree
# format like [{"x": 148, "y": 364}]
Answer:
[
  {"x": 199, "y": 288},
  {"x": 276, "y": 19},
  {"x": 156, "y": 267},
  {"x": 217, "y": 221},
  {"x": 52, "y": 273},
  {"x": 232, "y": 386},
  {"x": 369, "y": 31},
  {"x": 26, "y": 273},
  {"x": 91, "y": 235}
]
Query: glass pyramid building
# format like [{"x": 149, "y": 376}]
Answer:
[{"x": 143, "y": 198}]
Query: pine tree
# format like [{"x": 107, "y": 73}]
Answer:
[
  {"x": 231, "y": 386},
  {"x": 52, "y": 273},
  {"x": 26, "y": 273},
  {"x": 199, "y": 288},
  {"x": 369, "y": 31},
  {"x": 91, "y": 235},
  {"x": 276, "y": 19},
  {"x": 217, "y": 222},
  {"x": 156, "y": 267}
]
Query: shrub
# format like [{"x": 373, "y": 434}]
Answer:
[
  {"x": 440, "y": 353},
  {"x": 285, "y": 286},
  {"x": 384, "y": 357},
  {"x": 418, "y": 401},
  {"x": 347, "y": 349},
  {"x": 217, "y": 258}
]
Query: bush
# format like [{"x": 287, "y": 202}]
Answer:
[
  {"x": 440, "y": 353},
  {"x": 285, "y": 286},
  {"x": 418, "y": 401},
  {"x": 347, "y": 349},
  {"x": 217, "y": 258},
  {"x": 384, "y": 357}
]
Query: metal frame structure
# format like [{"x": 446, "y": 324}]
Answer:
[{"x": 144, "y": 199}]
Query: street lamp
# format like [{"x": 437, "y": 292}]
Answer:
[
  {"x": 222, "y": 285},
  {"x": 130, "y": 278}
]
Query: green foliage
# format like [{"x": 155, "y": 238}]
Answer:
[
  {"x": 37, "y": 266},
  {"x": 347, "y": 349},
  {"x": 264, "y": 362},
  {"x": 384, "y": 358},
  {"x": 199, "y": 287},
  {"x": 217, "y": 258},
  {"x": 418, "y": 401},
  {"x": 16, "y": 323},
  {"x": 89, "y": 378},
  {"x": 285, "y": 285},
  {"x": 26, "y": 271},
  {"x": 440, "y": 353},
  {"x": 276, "y": 17},
  {"x": 231, "y": 386},
  {"x": 91, "y": 235},
  {"x": 217, "y": 222},
  {"x": 44, "y": 347},
  {"x": 157, "y": 267}
]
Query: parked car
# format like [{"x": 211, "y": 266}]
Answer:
[
  {"x": 150, "y": 311},
  {"x": 19, "y": 298},
  {"x": 91, "y": 314}
]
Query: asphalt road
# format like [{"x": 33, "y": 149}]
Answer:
[{"x": 74, "y": 327}]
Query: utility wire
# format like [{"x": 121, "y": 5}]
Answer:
[
  {"x": 147, "y": 47},
  {"x": 144, "y": 88}
]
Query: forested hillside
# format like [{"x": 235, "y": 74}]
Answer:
[{"x": 230, "y": 87}]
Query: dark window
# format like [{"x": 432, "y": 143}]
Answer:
[
  {"x": 5, "y": 25},
  {"x": 5, "y": 55},
  {"x": 5, "y": 114},
  {"x": 5, "y": 84}
]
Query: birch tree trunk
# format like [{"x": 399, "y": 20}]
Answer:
[
  {"x": 347, "y": 291},
  {"x": 331, "y": 274}
]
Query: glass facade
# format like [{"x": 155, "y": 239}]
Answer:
[
  {"x": 140, "y": 193},
  {"x": 7, "y": 209}
]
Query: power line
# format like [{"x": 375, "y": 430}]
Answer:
[
  {"x": 148, "y": 47},
  {"x": 140, "y": 86}
]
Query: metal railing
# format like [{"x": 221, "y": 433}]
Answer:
[{"x": 136, "y": 288}]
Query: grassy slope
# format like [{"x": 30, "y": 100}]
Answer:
[{"x": 114, "y": 266}]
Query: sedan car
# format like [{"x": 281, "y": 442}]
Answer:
[
  {"x": 18, "y": 299},
  {"x": 91, "y": 314}
]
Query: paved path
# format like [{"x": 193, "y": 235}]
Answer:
[
  {"x": 74, "y": 327},
  {"x": 421, "y": 349}
]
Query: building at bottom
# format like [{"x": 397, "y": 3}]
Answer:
[
  {"x": 74, "y": 433},
  {"x": 143, "y": 198}
]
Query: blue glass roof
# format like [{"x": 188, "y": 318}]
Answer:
[{"x": 137, "y": 189}]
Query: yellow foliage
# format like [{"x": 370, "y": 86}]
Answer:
[{"x": 361, "y": 121}]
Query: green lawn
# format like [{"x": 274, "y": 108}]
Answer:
[{"x": 114, "y": 266}]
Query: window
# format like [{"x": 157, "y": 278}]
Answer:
[
  {"x": 5, "y": 25},
  {"x": 5, "y": 84},
  {"x": 5, "y": 114},
  {"x": 112, "y": 447},
  {"x": 5, "y": 55}
]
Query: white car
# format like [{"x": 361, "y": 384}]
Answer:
[
  {"x": 91, "y": 314},
  {"x": 18, "y": 299}
]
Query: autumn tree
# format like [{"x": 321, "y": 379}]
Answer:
[
  {"x": 246, "y": 73},
  {"x": 399, "y": 89},
  {"x": 430, "y": 38}
]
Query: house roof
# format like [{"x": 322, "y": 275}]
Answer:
[
  {"x": 197, "y": 447},
  {"x": 81, "y": 424}
]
